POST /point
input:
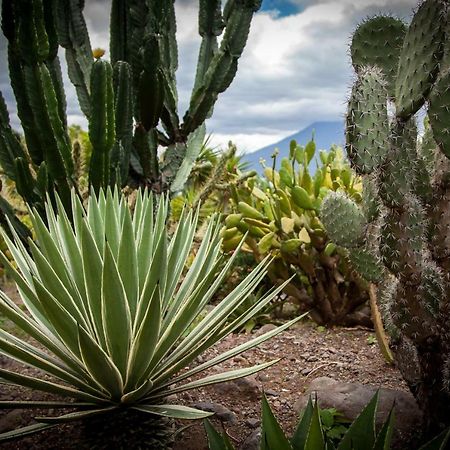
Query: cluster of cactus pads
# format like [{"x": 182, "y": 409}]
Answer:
[
  {"x": 400, "y": 237},
  {"x": 279, "y": 216},
  {"x": 124, "y": 99}
]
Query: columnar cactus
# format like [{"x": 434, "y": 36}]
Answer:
[
  {"x": 136, "y": 89},
  {"x": 407, "y": 199}
]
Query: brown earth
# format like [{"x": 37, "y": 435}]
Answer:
[{"x": 305, "y": 351}]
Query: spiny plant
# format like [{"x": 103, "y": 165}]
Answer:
[
  {"x": 124, "y": 100},
  {"x": 400, "y": 236},
  {"x": 314, "y": 431},
  {"x": 278, "y": 215},
  {"x": 110, "y": 301}
]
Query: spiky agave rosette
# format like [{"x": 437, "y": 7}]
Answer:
[{"x": 111, "y": 300}]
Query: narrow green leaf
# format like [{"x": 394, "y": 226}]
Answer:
[
  {"x": 174, "y": 411},
  {"x": 383, "y": 441},
  {"x": 24, "y": 431},
  {"x": 99, "y": 365},
  {"x": 272, "y": 434},
  {"x": 115, "y": 313},
  {"x": 362, "y": 430},
  {"x": 439, "y": 442},
  {"x": 315, "y": 438},
  {"x": 127, "y": 263},
  {"x": 77, "y": 415},
  {"x": 300, "y": 436},
  {"x": 215, "y": 440}
]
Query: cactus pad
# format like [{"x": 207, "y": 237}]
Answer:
[
  {"x": 367, "y": 121},
  {"x": 366, "y": 264},
  {"x": 439, "y": 113},
  {"x": 378, "y": 42},
  {"x": 343, "y": 220},
  {"x": 420, "y": 57}
]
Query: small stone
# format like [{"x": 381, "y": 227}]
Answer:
[
  {"x": 220, "y": 411},
  {"x": 253, "y": 422},
  {"x": 252, "y": 441},
  {"x": 266, "y": 328},
  {"x": 10, "y": 420},
  {"x": 305, "y": 372},
  {"x": 271, "y": 393}
]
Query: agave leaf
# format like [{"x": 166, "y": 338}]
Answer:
[
  {"x": 96, "y": 222},
  {"x": 24, "y": 431},
  {"x": 112, "y": 230},
  {"x": 77, "y": 415},
  {"x": 99, "y": 365},
  {"x": 272, "y": 434},
  {"x": 64, "y": 325},
  {"x": 116, "y": 316},
  {"x": 144, "y": 343},
  {"x": 215, "y": 440},
  {"x": 232, "y": 352},
  {"x": 48, "y": 386},
  {"x": 362, "y": 430},
  {"x": 300, "y": 436},
  {"x": 383, "y": 441},
  {"x": 173, "y": 411},
  {"x": 315, "y": 438},
  {"x": 53, "y": 284},
  {"x": 218, "y": 378},
  {"x": 127, "y": 263},
  {"x": 439, "y": 442},
  {"x": 92, "y": 270}
]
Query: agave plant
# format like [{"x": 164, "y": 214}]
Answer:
[{"x": 112, "y": 304}]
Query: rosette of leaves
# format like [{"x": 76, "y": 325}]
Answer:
[
  {"x": 109, "y": 308},
  {"x": 278, "y": 215}
]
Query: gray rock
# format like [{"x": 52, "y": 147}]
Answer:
[
  {"x": 266, "y": 328},
  {"x": 252, "y": 441},
  {"x": 220, "y": 411},
  {"x": 244, "y": 387},
  {"x": 10, "y": 420},
  {"x": 253, "y": 422},
  {"x": 271, "y": 393},
  {"x": 350, "y": 398}
]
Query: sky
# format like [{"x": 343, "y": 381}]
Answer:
[{"x": 295, "y": 69}]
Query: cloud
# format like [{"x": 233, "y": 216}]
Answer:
[{"x": 295, "y": 69}]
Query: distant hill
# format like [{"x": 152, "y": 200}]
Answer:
[{"x": 326, "y": 134}]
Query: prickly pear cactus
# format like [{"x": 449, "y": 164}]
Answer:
[
  {"x": 406, "y": 200},
  {"x": 279, "y": 215}
]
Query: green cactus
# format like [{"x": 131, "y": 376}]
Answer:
[
  {"x": 409, "y": 238},
  {"x": 124, "y": 101},
  {"x": 279, "y": 213}
]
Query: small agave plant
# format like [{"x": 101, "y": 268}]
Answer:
[{"x": 111, "y": 309}]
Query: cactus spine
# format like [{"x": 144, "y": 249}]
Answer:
[
  {"x": 125, "y": 100},
  {"x": 408, "y": 238}
]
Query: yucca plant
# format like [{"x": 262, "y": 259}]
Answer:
[{"x": 112, "y": 304}]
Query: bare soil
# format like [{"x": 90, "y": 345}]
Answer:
[{"x": 305, "y": 352}]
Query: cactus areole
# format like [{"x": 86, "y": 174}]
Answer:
[{"x": 408, "y": 208}]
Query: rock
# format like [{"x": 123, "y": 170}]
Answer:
[
  {"x": 350, "y": 398},
  {"x": 220, "y": 411},
  {"x": 271, "y": 393},
  {"x": 253, "y": 422},
  {"x": 252, "y": 441},
  {"x": 266, "y": 328},
  {"x": 245, "y": 387},
  {"x": 10, "y": 420}
]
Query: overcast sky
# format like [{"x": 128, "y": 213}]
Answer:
[{"x": 295, "y": 69}]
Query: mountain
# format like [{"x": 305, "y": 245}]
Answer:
[{"x": 325, "y": 134}]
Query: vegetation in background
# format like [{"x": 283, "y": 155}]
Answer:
[{"x": 278, "y": 215}]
